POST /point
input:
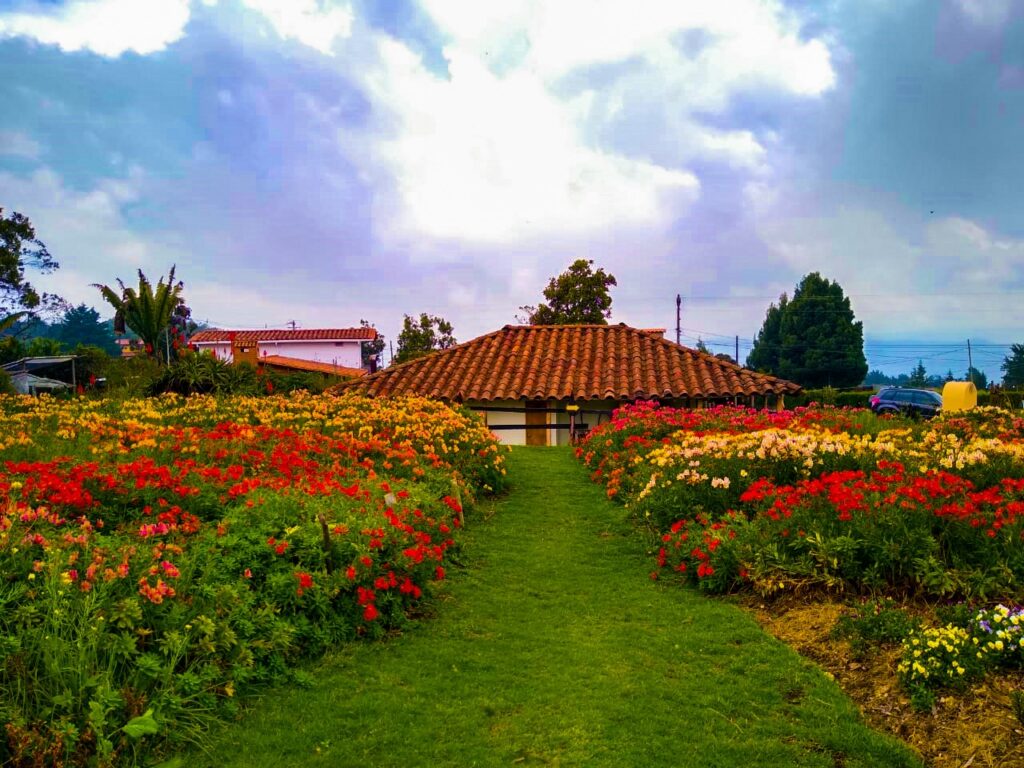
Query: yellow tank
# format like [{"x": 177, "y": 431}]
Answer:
[{"x": 959, "y": 396}]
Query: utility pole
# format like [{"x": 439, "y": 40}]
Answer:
[
  {"x": 737, "y": 349},
  {"x": 679, "y": 305},
  {"x": 970, "y": 363},
  {"x": 291, "y": 324}
]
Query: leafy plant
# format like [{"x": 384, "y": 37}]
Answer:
[
  {"x": 875, "y": 622},
  {"x": 148, "y": 311}
]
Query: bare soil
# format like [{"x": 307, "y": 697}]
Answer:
[{"x": 976, "y": 728}]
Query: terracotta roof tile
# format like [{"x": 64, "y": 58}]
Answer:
[
  {"x": 559, "y": 362},
  {"x": 294, "y": 363},
  {"x": 214, "y": 335}
]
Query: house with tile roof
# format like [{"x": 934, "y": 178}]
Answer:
[
  {"x": 525, "y": 380},
  {"x": 338, "y": 351}
]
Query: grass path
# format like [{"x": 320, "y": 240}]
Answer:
[{"x": 552, "y": 647}]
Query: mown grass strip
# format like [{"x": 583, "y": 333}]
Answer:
[{"x": 553, "y": 648}]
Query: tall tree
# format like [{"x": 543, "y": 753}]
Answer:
[
  {"x": 82, "y": 325},
  {"x": 766, "y": 353},
  {"x": 422, "y": 336},
  {"x": 1013, "y": 367},
  {"x": 20, "y": 250},
  {"x": 979, "y": 378},
  {"x": 918, "y": 376},
  {"x": 371, "y": 349},
  {"x": 817, "y": 339},
  {"x": 148, "y": 311},
  {"x": 578, "y": 295}
]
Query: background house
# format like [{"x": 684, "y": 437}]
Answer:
[
  {"x": 335, "y": 347},
  {"x": 522, "y": 378}
]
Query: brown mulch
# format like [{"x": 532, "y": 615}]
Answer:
[{"x": 976, "y": 728}]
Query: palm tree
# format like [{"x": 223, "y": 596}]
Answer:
[{"x": 146, "y": 311}]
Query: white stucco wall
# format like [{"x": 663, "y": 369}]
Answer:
[
  {"x": 555, "y": 436},
  {"x": 346, "y": 353},
  {"x": 506, "y": 436}
]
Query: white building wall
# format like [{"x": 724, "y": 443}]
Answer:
[
  {"x": 346, "y": 353},
  {"x": 506, "y": 436},
  {"x": 555, "y": 436}
]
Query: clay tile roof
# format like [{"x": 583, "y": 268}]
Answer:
[
  {"x": 294, "y": 363},
  {"x": 214, "y": 335},
  {"x": 560, "y": 362}
]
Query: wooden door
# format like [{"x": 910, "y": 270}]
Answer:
[{"x": 536, "y": 422}]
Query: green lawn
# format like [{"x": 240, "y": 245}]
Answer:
[{"x": 553, "y": 647}]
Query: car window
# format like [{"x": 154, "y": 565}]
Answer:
[{"x": 899, "y": 396}]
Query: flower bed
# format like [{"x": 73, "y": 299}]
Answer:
[{"x": 159, "y": 556}]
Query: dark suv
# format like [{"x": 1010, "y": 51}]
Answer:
[{"x": 911, "y": 402}]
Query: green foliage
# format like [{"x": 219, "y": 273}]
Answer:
[
  {"x": 42, "y": 346},
  {"x": 766, "y": 353},
  {"x": 148, "y": 312},
  {"x": 82, "y": 325},
  {"x": 875, "y": 622},
  {"x": 371, "y": 349},
  {"x": 6, "y": 385},
  {"x": 20, "y": 250},
  {"x": 577, "y": 296},
  {"x": 7, "y": 322},
  {"x": 198, "y": 373},
  {"x": 812, "y": 339},
  {"x": 12, "y": 348},
  {"x": 420, "y": 337},
  {"x": 1013, "y": 368},
  {"x": 130, "y": 376},
  {"x": 978, "y": 377},
  {"x": 918, "y": 376},
  {"x": 1017, "y": 706}
]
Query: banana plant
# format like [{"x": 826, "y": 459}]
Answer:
[{"x": 145, "y": 310}]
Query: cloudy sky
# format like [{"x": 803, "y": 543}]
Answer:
[{"x": 324, "y": 161}]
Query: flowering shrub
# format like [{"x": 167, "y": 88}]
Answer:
[
  {"x": 953, "y": 655},
  {"x": 159, "y": 556},
  {"x": 823, "y": 497}
]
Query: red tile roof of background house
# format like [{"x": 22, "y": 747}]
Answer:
[
  {"x": 216, "y": 335},
  {"x": 581, "y": 362},
  {"x": 294, "y": 363}
]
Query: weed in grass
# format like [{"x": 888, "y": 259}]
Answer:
[{"x": 875, "y": 622}]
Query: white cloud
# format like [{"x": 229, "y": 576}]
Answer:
[
  {"x": 87, "y": 232},
  {"x": 307, "y": 21},
  {"x": 17, "y": 144},
  {"x": 106, "y": 27},
  {"x": 989, "y": 14},
  {"x": 487, "y": 158},
  {"x": 500, "y": 152},
  {"x": 949, "y": 276}
]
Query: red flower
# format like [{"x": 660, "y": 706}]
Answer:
[
  {"x": 305, "y": 581},
  {"x": 370, "y": 612}
]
